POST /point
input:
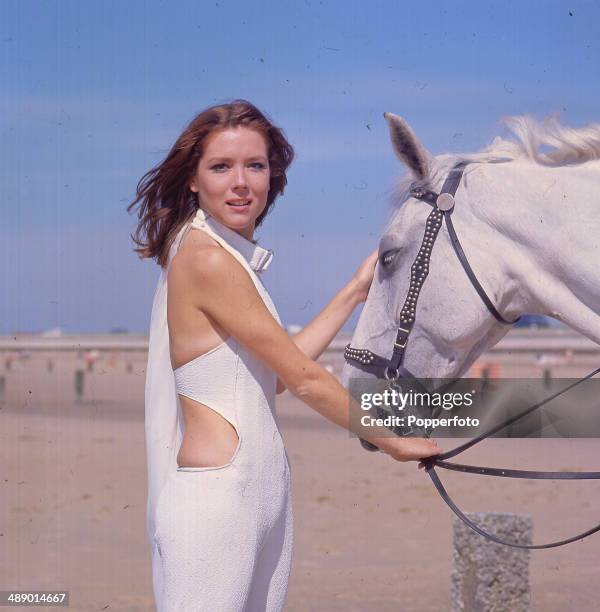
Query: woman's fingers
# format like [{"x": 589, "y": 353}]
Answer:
[
  {"x": 411, "y": 449},
  {"x": 364, "y": 275},
  {"x": 434, "y": 448}
]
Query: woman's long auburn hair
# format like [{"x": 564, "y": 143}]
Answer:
[{"x": 163, "y": 195}]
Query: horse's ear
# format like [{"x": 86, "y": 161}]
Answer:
[{"x": 406, "y": 146}]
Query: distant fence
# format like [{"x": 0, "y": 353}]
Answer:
[
  {"x": 89, "y": 342},
  {"x": 518, "y": 340},
  {"x": 522, "y": 352}
]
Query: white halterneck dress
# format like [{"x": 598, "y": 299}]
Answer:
[{"x": 221, "y": 537}]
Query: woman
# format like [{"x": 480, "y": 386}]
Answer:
[{"x": 219, "y": 508}]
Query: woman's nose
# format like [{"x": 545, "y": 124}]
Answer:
[{"x": 239, "y": 178}]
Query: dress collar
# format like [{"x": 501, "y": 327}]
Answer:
[{"x": 257, "y": 257}]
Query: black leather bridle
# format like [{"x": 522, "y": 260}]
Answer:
[{"x": 392, "y": 369}]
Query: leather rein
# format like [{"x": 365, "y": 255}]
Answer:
[{"x": 392, "y": 369}]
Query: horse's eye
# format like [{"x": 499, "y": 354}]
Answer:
[{"x": 387, "y": 258}]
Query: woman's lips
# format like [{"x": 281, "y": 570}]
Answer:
[{"x": 238, "y": 203}]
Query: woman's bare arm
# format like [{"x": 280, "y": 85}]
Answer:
[
  {"x": 222, "y": 288},
  {"x": 313, "y": 339}
]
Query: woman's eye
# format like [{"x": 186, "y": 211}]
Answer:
[
  {"x": 218, "y": 167},
  {"x": 258, "y": 165},
  {"x": 387, "y": 258}
]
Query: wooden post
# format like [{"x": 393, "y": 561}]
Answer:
[{"x": 79, "y": 383}]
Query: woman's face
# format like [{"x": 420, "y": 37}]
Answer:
[{"x": 232, "y": 178}]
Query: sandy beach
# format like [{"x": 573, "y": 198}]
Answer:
[{"x": 370, "y": 534}]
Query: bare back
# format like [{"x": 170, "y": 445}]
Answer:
[
  {"x": 191, "y": 332},
  {"x": 208, "y": 439}
]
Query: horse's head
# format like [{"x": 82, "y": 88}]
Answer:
[{"x": 452, "y": 326}]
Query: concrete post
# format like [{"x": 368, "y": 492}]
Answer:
[{"x": 490, "y": 577}]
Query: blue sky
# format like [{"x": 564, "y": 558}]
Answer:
[{"x": 95, "y": 93}]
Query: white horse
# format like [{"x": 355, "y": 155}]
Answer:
[{"x": 529, "y": 223}]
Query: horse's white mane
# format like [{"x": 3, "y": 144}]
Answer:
[{"x": 567, "y": 146}]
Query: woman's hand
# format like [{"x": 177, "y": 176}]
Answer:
[
  {"x": 363, "y": 277},
  {"x": 408, "y": 449}
]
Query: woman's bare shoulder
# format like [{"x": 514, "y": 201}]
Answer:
[{"x": 196, "y": 250}]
